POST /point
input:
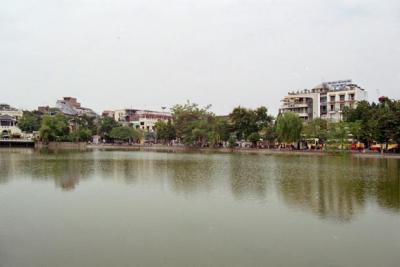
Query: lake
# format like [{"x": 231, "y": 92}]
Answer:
[{"x": 131, "y": 208}]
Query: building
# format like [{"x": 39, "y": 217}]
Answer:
[
  {"x": 139, "y": 119},
  {"x": 10, "y": 111},
  {"x": 71, "y": 107},
  {"x": 326, "y": 100},
  {"x": 108, "y": 113},
  {"x": 8, "y": 127}
]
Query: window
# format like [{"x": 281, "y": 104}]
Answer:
[
  {"x": 341, "y": 106},
  {"x": 341, "y": 97},
  {"x": 332, "y": 107},
  {"x": 332, "y": 98}
]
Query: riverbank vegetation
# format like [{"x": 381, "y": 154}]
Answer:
[{"x": 368, "y": 125}]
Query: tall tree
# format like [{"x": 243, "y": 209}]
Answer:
[
  {"x": 192, "y": 123},
  {"x": 107, "y": 124},
  {"x": 316, "y": 128},
  {"x": 54, "y": 128},
  {"x": 30, "y": 121},
  {"x": 288, "y": 127},
  {"x": 126, "y": 133},
  {"x": 165, "y": 131}
]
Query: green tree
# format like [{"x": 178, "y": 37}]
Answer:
[
  {"x": 244, "y": 122},
  {"x": 356, "y": 129},
  {"x": 339, "y": 133},
  {"x": 125, "y": 133},
  {"x": 288, "y": 127},
  {"x": 107, "y": 124},
  {"x": 54, "y": 128},
  {"x": 30, "y": 121},
  {"x": 254, "y": 138},
  {"x": 165, "y": 131},
  {"x": 193, "y": 123},
  {"x": 269, "y": 133},
  {"x": 247, "y": 121},
  {"x": 316, "y": 128}
]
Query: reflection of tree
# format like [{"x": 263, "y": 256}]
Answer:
[
  {"x": 192, "y": 174},
  {"x": 332, "y": 188},
  {"x": 10, "y": 162},
  {"x": 249, "y": 176},
  {"x": 388, "y": 185},
  {"x": 65, "y": 168}
]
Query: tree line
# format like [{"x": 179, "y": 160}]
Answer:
[
  {"x": 62, "y": 128},
  {"x": 196, "y": 126}
]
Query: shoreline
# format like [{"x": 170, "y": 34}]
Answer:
[
  {"x": 183, "y": 149},
  {"x": 164, "y": 148}
]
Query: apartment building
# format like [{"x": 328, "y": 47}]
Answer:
[
  {"x": 326, "y": 100},
  {"x": 140, "y": 119}
]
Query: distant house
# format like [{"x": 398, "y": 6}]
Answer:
[
  {"x": 140, "y": 119},
  {"x": 71, "y": 107},
  {"x": 6, "y": 109},
  {"x": 8, "y": 127}
]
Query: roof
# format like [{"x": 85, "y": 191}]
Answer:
[{"x": 7, "y": 118}]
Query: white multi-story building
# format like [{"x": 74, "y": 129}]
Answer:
[
  {"x": 324, "y": 101},
  {"x": 140, "y": 119}
]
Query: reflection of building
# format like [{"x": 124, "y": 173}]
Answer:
[
  {"x": 70, "y": 106},
  {"x": 326, "y": 100},
  {"x": 140, "y": 119}
]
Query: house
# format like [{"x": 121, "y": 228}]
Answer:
[
  {"x": 140, "y": 119},
  {"x": 8, "y": 127},
  {"x": 71, "y": 107}
]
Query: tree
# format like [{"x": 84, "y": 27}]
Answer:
[
  {"x": 220, "y": 131},
  {"x": 316, "y": 128},
  {"x": 288, "y": 127},
  {"x": 107, "y": 124},
  {"x": 125, "y": 133},
  {"x": 54, "y": 128},
  {"x": 254, "y": 138},
  {"x": 165, "y": 131},
  {"x": 81, "y": 135},
  {"x": 339, "y": 132},
  {"x": 356, "y": 129},
  {"x": 192, "y": 123},
  {"x": 247, "y": 121},
  {"x": 30, "y": 121},
  {"x": 244, "y": 122}
]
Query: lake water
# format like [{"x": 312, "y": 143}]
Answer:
[{"x": 126, "y": 208}]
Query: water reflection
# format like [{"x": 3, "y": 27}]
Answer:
[
  {"x": 335, "y": 188},
  {"x": 249, "y": 178},
  {"x": 64, "y": 168},
  {"x": 338, "y": 187}
]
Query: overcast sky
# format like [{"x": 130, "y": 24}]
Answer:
[{"x": 113, "y": 54}]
